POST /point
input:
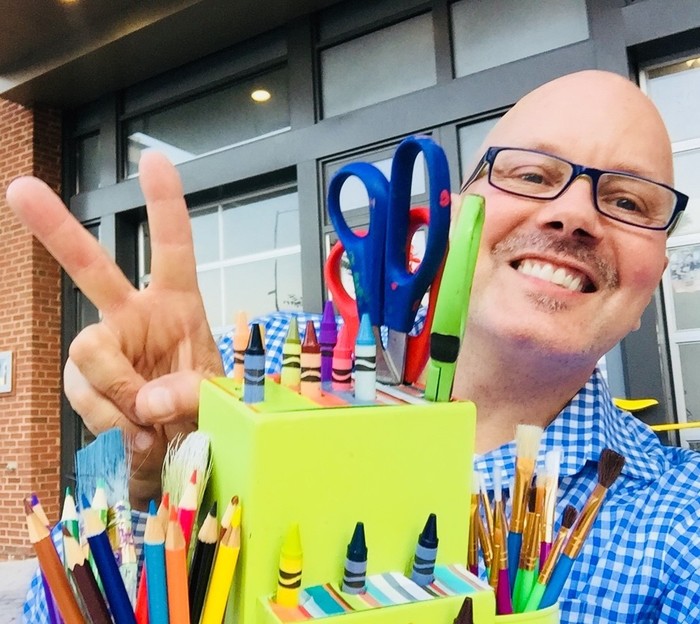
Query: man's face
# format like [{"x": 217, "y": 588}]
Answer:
[{"x": 557, "y": 276}]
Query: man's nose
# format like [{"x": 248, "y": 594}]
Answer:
[{"x": 573, "y": 213}]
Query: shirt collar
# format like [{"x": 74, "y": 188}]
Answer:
[{"x": 589, "y": 423}]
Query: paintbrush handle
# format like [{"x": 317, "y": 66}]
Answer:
[
  {"x": 533, "y": 601},
  {"x": 556, "y": 583},
  {"x": 515, "y": 542}
]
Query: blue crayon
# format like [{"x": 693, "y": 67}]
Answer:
[
  {"x": 355, "y": 572},
  {"x": 365, "y": 362},
  {"x": 426, "y": 553},
  {"x": 254, "y": 368},
  {"x": 327, "y": 338}
]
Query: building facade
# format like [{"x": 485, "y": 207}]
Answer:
[{"x": 258, "y": 106}]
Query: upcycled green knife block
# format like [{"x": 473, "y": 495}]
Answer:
[{"x": 388, "y": 466}]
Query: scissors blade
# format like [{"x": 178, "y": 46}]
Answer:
[
  {"x": 390, "y": 359},
  {"x": 387, "y": 371}
]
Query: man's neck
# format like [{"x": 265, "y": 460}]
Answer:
[{"x": 513, "y": 386}]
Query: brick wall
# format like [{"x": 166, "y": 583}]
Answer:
[{"x": 30, "y": 317}]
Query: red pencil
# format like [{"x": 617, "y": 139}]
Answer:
[{"x": 187, "y": 509}]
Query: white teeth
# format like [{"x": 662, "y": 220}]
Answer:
[{"x": 556, "y": 275}]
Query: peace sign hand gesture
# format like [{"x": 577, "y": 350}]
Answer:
[{"x": 140, "y": 367}]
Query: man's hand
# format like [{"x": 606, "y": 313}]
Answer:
[{"x": 140, "y": 367}]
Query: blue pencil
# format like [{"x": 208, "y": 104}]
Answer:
[
  {"x": 154, "y": 556},
  {"x": 101, "y": 550}
]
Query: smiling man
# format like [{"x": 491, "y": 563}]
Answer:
[{"x": 577, "y": 179}]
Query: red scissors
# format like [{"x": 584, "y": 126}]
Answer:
[{"x": 418, "y": 346}]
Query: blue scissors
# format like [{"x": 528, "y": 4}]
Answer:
[{"x": 385, "y": 288}]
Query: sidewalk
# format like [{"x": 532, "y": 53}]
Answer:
[{"x": 15, "y": 576}]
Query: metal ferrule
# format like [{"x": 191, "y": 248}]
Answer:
[
  {"x": 529, "y": 553},
  {"x": 585, "y": 522},
  {"x": 523, "y": 476},
  {"x": 548, "y": 567}
]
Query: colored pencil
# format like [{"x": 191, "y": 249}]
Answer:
[
  {"x": 176, "y": 572},
  {"x": 154, "y": 557},
  {"x": 222, "y": 577},
  {"x": 202, "y": 562},
  {"x": 101, "y": 549},
  {"x": 187, "y": 508},
  {"x": 84, "y": 580},
  {"x": 51, "y": 608},
  {"x": 52, "y": 568}
]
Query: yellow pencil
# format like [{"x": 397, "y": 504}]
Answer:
[{"x": 222, "y": 576}]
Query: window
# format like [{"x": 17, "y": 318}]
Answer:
[
  {"x": 675, "y": 87},
  {"x": 248, "y": 255},
  {"x": 376, "y": 67},
  {"x": 488, "y": 34},
  {"x": 87, "y": 163},
  {"x": 248, "y": 110}
]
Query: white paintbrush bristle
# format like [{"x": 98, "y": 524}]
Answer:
[
  {"x": 476, "y": 481},
  {"x": 552, "y": 461},
  {"x": 186, "y": 454},
  {"x": 497, "y": 485},
  {"x": 527, "y": 441}
]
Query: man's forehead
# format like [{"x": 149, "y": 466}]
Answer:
[{"x": 593, "y": 118}]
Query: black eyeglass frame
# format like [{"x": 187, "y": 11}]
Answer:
[{"x": 576, "y": 171}]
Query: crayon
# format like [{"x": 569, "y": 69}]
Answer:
[
  {"x": 240, "y": 342},
  {"x": 291, "y": 357},
  {"x": 342, "y": 361},
  {"x": 365, "y": 362},
  {"x": 426, "y": 553},
  {"x": 327, "y": 338},
  {"x": 254, "y": 375},
  {"x": 289, "y": 579},
  {"x": 310, "y": 363},
  {"x": 355, "y": 572}
]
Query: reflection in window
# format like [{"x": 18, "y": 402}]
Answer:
[
  {"x": 684, "y": 269},
  {"x": 488, "y": 34},
  {"x": 87, "y": 163},
  {"x": 384, "y": 64},
  {"x": 470, "y": 139},
  {"x": 247, "y": 110},
  {"x": 690, "y": 365},
  {"x": 248, "y": 256}
]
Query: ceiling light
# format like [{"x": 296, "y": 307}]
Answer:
[{"x": 260, "y": 95}]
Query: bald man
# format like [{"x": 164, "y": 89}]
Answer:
[{"x": 579, "y": 201}]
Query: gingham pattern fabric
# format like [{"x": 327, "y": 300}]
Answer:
[
  {"x": 641, "y": 562},
  {"x": 35, "y": 610},
  {"x": 276, "y": 326}
]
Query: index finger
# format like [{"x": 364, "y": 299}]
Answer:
[{"x": 73, "y": 247}]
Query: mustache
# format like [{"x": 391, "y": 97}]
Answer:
[{"x": 577, "y": 250}]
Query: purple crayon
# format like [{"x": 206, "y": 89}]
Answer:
[{"x": 327, "y": 338}]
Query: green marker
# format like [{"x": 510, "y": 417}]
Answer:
[{"x": 452, "y": 304}]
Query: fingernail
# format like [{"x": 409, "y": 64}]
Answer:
[
  {"x": 143, "y": 441},
  {"x": 160, "y": 402}
]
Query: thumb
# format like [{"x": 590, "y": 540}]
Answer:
[{"x": 170, "y": 399}]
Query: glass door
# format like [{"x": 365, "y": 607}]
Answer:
[{"x": 675, "y": 89}]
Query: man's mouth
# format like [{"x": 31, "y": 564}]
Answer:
[{"x": 563, "y": 276}]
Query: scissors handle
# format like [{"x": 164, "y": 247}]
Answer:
[
  {"x": 346, "y": 304},
  {"x": 365, "y": 252},
  {"x": 404, "y": 290}
]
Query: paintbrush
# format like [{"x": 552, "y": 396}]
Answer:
[
  {"x": 610, "y": 465},
  {"x": 568, "y": 519},
  {"x": 527, "y": 443},
  {"x": 552, "y": 461}
]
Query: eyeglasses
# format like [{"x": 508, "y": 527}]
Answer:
[{"x": 621, "y": 196}]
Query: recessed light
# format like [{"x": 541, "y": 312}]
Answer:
[{"x": 260, "y": 95}]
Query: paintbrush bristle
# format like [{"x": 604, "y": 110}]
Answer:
[
  {"x": 476, "y": 482},
  {"x": 497, "y": 485},
  {"x": 552, "y": 462},
  {"x": 527, "y": 441},
  {"x": 609, "y": 467},
  {"x": 569, "y": 517},
  {"x": 532, "y": 500},
  {"x": 466, "y": 612}
]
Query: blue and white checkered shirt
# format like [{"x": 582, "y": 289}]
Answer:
[{"x": 641, "y": 561}]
